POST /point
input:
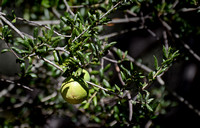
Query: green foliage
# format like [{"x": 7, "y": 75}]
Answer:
[{"x": 53, "y": 52}]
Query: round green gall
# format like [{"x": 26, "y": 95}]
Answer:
[{"x": 74, "y": 90}]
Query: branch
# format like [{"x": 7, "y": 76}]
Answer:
[
  {"x": 41, "y": 24},
  {"x": 12, "y": 26},
  {"x": 68, "y": 8},
  {"x": 102, "y": 88},
  {"x": 45, "y": 22},
  {"x": 188, "y": 48},
  {"x": 81, "y": 34},
  {"x": 18, "y": 84},
  {"x": 189, "y": 9},
  {"x": 110, "y": 10},
  {"x": 191, "y": 51},
  {"x": 55, "y": 12},
  {"x": 165, "y": 40},
  {"x": 48, "y": 61},
  {"x": 12, "y": 50},
  {"x": 32, "y": 23},
  {"x": 49, "y": 97},
  {"x": 118, "y": 33}
]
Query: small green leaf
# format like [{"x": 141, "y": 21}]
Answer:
[
  {"x": 96, "y": 119},
  {"x": 150, "y": 76},
  {"x": 94, "y": 72},
  {"x": 117, "y": 87},
  {"x": 106, "y": 83},
  {"x": 5, "y": 50},
  {"x": 131, "y": 66},
  {"x": 86, "y": 106},
  {"x": 150, "y": 100},
  {"x": 17, "y": 50},
  {"x": 81, "y": 56},
  {"x": 109, "y": 45},
  {"x": 35, "y": 33},
  {"x": 125, "y": 70},
  {"x": 119, "y": 53},
  {"x": 165, "y": 52},
  {"x": 33, "y": 75},
  {"x": 45, "y": 3},
  {"x": 107, "y": 67},
  {"x": 14, "y": 20},
  {"x": 78, "y": 72},
  {"x": 156, "y": 63},
  {"x": 56, "y": 59},
  {"x": 123, "y": 76},
  {"x": 101, "y": 73},
  {"x": 95, "y": 101},
  {"x": 149, "y": 107}
]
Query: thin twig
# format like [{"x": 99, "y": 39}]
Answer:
[
  {"x": 81, "y": 34},
  {"x": 189, "y": 9},
  {"x": 102, "y": 88},
  {"x": 12, "y": 50},
  {"x": 49, "y": 97},
  {"x": 45, "y": 22},
  {"x": 197, "y": 57},
  {"x": 165, "y": 40},
  {"x": 118, "y": 33},
  {"x": 39, "y": 24},
  {"x": 111, "y": 60},
  {"x": 5, "y": 91},
  {"x": 131, "y": 13},
  {"x": 68, "y": 8},
  {"x": 18, "y": 84},
  {"x": 124, "y": 20},
  {"x": 77, "y": 6},
  {"x": 12, "y": 26},
  {"x": 56, "y": 13},
  {"x": 130, "y": 104},
  {"x": 48, "y": 61},
  {"x": 110, "y": 10}
]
